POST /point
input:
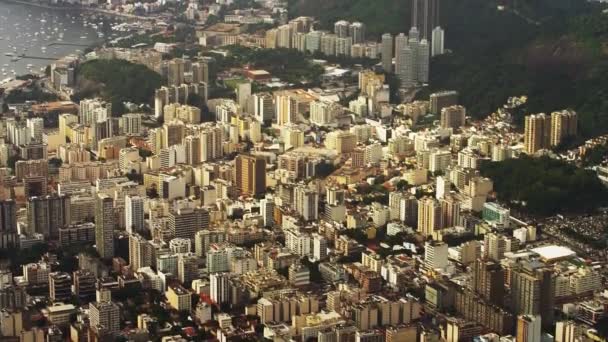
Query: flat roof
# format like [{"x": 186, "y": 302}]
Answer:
[{"x": 554, "y": 252}]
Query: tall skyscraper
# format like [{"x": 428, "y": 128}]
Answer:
[
  {"x": 437, "y": 41},
  {"x": 104, "y": 225},
  {"x": 425, "y": 16},
  {"x": 134, "y": 213},
  {"x": 250, "y": 174},
  {"x": 387, "y": 52}
]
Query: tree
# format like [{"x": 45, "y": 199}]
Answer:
[{"x": 402, "y": 185}]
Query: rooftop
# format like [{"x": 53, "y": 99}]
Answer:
[{"x": 553, "y": 252}]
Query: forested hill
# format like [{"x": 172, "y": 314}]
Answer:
[{"x": 552, "y": 50}]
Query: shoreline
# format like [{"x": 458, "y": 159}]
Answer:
[
  {"x": 39, "y": 72},
  {"x": 80, "y": 9}
]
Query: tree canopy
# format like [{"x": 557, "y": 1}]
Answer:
[
  {"x": 545, "y": 186},
  {"x": 121, "y": 81}
]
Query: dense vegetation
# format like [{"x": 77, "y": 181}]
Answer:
[
  {"x": 29, "y": 94},
  {"x": 117, "y": 81},
  {"x": 545, "y": 186},
  {"x": 551, "y": 50},
  {"x": 596, "y": 155},
  {"x": 289, "y": 65}
]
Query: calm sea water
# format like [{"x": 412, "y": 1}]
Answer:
[{"x": 39, "y": 32}]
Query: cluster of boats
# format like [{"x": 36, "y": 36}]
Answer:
[{"x": 41, "y": 35}]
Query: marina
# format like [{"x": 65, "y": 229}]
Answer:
[{"x": 31, "y": 37}]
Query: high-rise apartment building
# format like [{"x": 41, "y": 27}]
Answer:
[
  {"x": 219, "y": 288},
  {"x": 104, "y": 316},
  {"x": 442, "y": 99},
  {"x": 533, "y": 290},
  {"x": 563, "y": 125},
  {"x": 356, "y": 30},
  {"x": 387, "y": 52},
  {"x": 60, "y": 287},
  {"x": 425, "y": 16},
  {"x": 104, "y": 225},
  {"x": 286, "y": 109},
  {"x": 185, "y": 222},
  {"x": 46, "y": 215},
  {"x": 250, "y": 174},
  {"x": 542, "y": 131},
  {"x": 453, "y": 117},
  {"x": 435, "y": 255},
  {"x": 84, "y": 285},
  {"x": 437, "y": 42},
  {"x": 429, "y": 216},
  {"x": 141, "y": 252},
  {"x": 341, "y": 28},
  {"x": 134, "y": 213},
  {"x": 8, "y": 223},
  {"x": 175, "y": 71},
  {"x": 488, "y": 281},
  {"x": 537, "y": 132}
]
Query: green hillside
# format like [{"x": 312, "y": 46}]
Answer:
[{"x": 117, "y": 81}]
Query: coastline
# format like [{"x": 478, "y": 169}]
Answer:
[
  {"x": 80, "y": 9},
  {"x": 40, "y": 73}
]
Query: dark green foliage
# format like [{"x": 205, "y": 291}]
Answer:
[
  {"x": 544, "y": 186},
  {"x": 29, "y": 94},
  {"x": 122, "y": 81},
  {"x": 148, "y": 39},
  {"x": 596, "y": 155},
  {"x": 289, "y": 65}
]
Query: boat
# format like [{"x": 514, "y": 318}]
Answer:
[{"x": 30, "y": 65}]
